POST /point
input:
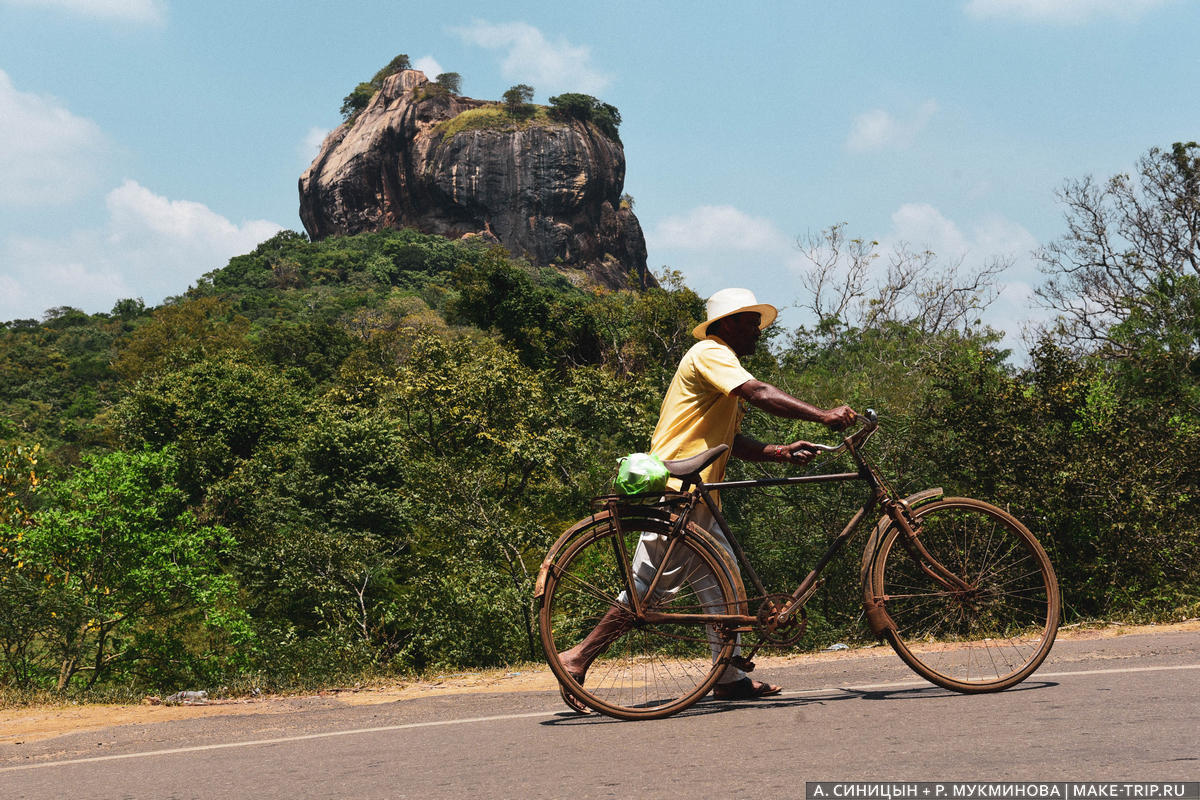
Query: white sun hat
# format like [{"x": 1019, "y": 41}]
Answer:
[{"x": 734, "y": 301}]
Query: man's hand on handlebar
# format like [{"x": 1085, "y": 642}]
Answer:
[
  {"x": 839, "y": 418},
  {"x": 802, "y": 452}
]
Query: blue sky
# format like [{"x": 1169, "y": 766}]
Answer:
[{"x": 144, "y": 142}]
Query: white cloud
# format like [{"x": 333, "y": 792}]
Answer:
[
  {"x": 529, "y": 57},
  {"x": 310, "y": 146},
  {"x": 47, "y": 154},
  {"x": 1060, "y": 11},
  {"x": 150, "y": 247},
  {"x": 997, "y": 234},
  {"x": 878, "y": 129},
  {"x": 76, "y": 271},
  {"x": 922, "y": 225},
  {"x": 721, "y": 246},
  {"x": 717, "y": 228},
  {"x": 138, "y": 215},
  {"x": 141, "y": 11},
  {"x": 428, "y": 65}
]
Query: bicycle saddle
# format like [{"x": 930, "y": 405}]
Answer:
[{"x": 690, "y": 467}]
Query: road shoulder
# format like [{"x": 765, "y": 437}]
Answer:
[{"x": 19, "y": 725}]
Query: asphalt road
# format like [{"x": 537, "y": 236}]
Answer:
[{"x": 1125, "y": 708}]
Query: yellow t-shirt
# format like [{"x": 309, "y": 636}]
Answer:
[{"x": 698, "y": 411}]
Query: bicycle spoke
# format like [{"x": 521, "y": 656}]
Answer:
[
  {"x": 588, "y": 587},
  {"x": 640, "y": 670},
  {"x": 992, "y": 633}
]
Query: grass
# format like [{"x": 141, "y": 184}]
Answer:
[
  {"x": 369, "y": 679},
  {"x": 381, "y": 677},
  {"x": 493, "y": 118}
]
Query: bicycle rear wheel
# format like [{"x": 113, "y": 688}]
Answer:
[
  {"x": 987, "y": 633},
  {"x": 644, "y": 671}
]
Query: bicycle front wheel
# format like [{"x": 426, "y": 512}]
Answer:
[
  {"x": 637, "y": 670},
  {"x": 989, "y": 624}
]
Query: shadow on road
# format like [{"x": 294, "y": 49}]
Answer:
[
  {"x": 713, "y": 706},
  {"x": 935, "y": 691}
]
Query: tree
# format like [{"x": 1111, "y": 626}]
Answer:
[
  {"x": 1132, "y": 250},
  {"x": 18, "y": 482},
  {"x": 915, "y": 291},
  {"x": 121, "y": 555},
  {"x": 64, "y": 317},
  {"x": 450, "y": 81},
  {"x": 316, "y": 347},
  {"x": 585, "y": 108},
  {"x": 358, "y": 99},
  {"x": 24, "y": 616},
  {"x": 216, "y": 413},
  {"x": 406, "y": 522},
  {"x": 324, "y": 524},
  {"x": 397, "y": 64},
  {"x": 178, "y": 334},
  {"x": 525, "y": 438},
  {"x": 129, "y": 308},
  {"x": 646, "y": 333},
  {"x": 544, "y": 325},
  {"x": 517, "y": 98},
  {"x": 355, "y": 102}
]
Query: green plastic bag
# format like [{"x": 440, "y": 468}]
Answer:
[{"x": 640, "y": 473}]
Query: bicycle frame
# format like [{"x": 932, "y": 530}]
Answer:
[{"x": 895, "y": 509}]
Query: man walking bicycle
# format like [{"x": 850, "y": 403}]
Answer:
[{"x": 703, "y": 408}]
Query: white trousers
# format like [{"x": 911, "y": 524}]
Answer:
[{"x": 685, "y": 567}]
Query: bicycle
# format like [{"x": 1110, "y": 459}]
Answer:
[{"x": 959, "y": 588}]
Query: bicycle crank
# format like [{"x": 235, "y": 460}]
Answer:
[{"x": 771, "y": 630}]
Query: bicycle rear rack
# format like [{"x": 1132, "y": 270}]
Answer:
[{"x": 665, "y": 500}]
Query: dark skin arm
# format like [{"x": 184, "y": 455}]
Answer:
[{"x": 781, "y": 404}]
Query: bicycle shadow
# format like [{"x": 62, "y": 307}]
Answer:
[
  {"x": 919, "y": 692},
  {"x": 785, "y": 702}
]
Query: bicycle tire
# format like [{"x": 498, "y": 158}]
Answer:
[
  {"x": 649, "y": 671},
  {"x": 987, "y": 637}
]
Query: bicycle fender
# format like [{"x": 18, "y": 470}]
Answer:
[
  {"x": 878, "y": 619},
  {"x": 923, "y": 497},
  {"x": 624, "y": 512}
]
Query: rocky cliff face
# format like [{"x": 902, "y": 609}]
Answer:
[{"x": 548, "y": 193}]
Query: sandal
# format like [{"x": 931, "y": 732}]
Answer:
[
  {"x": 573, "y": 702},
  {"x": 745, "y": 689}
]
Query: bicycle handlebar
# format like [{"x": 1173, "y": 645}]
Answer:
[{"x": 868, "y": 420}]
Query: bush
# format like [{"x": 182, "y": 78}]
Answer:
[
  {"x": 517, "y": 101},
  {"x": 450, "y": 81},
  {"x": 216, "y": 413},
  {"x": 115, "y": 576},
  {"x": 586, "y": 108},
  {"x": 355, "y": 102}
]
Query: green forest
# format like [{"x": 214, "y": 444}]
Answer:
[{"x": 340, "y": 460}]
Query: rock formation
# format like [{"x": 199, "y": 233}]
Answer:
[{"x": 548, "y": 192}]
